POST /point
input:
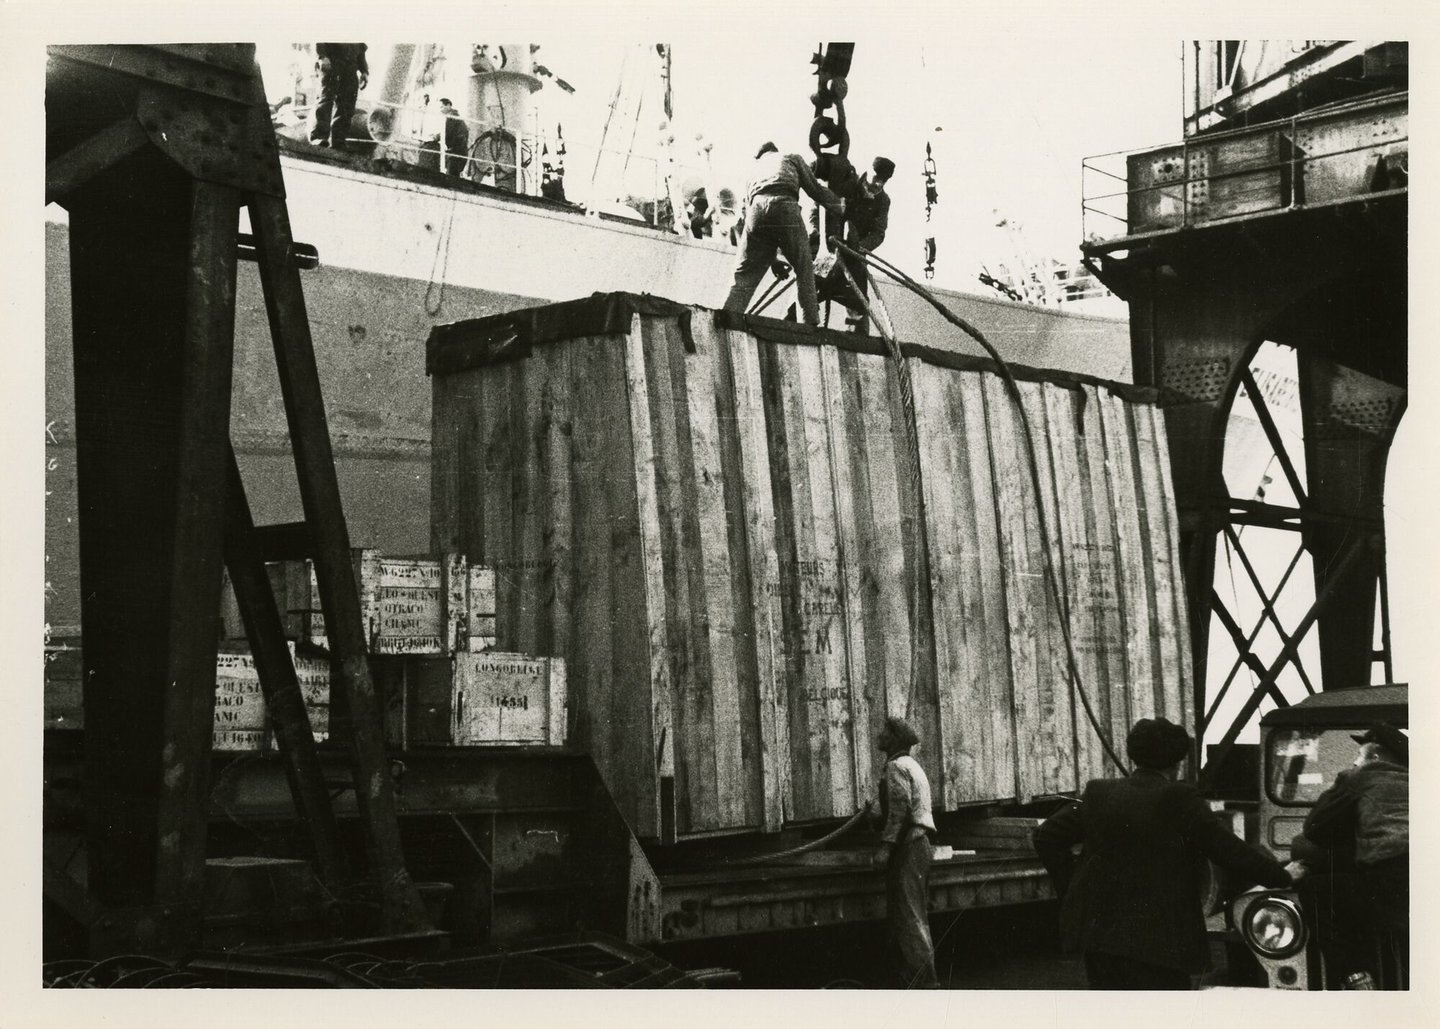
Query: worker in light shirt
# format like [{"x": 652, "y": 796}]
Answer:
[
  {"x": 773, "y": 222},
  {"x": 905, "y": 849}
]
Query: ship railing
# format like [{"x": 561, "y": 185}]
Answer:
[
  {"x": 644, "y": 188},
  {"x": 1348, "y": 152}
]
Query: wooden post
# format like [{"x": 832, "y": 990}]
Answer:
[
  {"x": 401, "y": 909},
  {"x": 278, "y": 682}
]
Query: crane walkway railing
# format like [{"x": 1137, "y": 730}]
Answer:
[{"x": 1332, "y": 155}]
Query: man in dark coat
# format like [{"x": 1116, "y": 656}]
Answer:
[
  {"x": 457, "y": 139},
  {"x": 1353, "y": 857},
  {"x": 1131, "y": 902},
  {"x": 343, "y": 73},
  {"x": 868, "y": 219}
]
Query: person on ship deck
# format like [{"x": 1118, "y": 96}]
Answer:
[{"x": 343, "y": 73}]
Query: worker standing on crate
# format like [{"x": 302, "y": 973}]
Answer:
[
  {"x": 343, "y": 73},
  {"x": 1353, "y": 857},
  {"x": 868, "y": 218},
  {"x": 1131, "y": 901},
  {"x": 905, "y": 849},
  {"x": 773, "y": 222}
]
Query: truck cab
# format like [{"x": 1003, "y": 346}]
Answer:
[{"x": 1302, "y": 749}]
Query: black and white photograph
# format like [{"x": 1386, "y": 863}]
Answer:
[{"x": 776, "y": 502}]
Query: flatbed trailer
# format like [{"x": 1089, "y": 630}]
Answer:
[
  {"x": 844, "y": 888},
  {"x": 526, "y": 842}
]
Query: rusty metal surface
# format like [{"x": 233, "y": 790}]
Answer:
[
  {"x": 202, "y": 105},
  {"x": 730, "y": 902}
]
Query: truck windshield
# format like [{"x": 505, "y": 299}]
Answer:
[{"x": 1300, "y": 764}]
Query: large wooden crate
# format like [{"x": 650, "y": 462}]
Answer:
[{"x": 716, "y": 521}]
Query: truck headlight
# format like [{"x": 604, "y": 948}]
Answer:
[{"x": 1274, "y": 927}]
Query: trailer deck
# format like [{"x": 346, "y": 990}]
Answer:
[{"x": 830, "y": 888}]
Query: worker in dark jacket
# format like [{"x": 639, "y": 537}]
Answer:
[
  {"x": 868, "y": 218},
  {"x": 905, "y": 850},
  {"x": 457, "y": 139},
  {"x": 1354, "y": 857},
  {"x": 343, "y": 73},
  {"x": 1131, "y": 902},
  {"x": 773, "y": 222}
]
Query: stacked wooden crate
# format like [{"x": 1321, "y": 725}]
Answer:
[
  {"x": 718, "y": 523},
  {"x": 430, "y": 626},
  {"x": 240, "y": 710}
]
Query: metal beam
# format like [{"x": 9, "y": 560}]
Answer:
[
  {"x": 401, "y": 907},
  {"x": 1272, "y": 433},
  {"x": 1240, "y": 661},
  {"x": 1247, "y": 656},
  {"x": 129, "y": 275},
  {"x": 1268, "y": 612},
  {"x": 99, "y": 153},
  {"x": 278, "y": 682},
  {"x": 197, "y": 545},
  {"x": 1322, "y": 601}
]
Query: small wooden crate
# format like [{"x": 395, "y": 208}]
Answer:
[
  {"x": 417, "y": 692},
  {"x": 410, "y": 605},
  {"x": 240, "y": 715},
  {"x": 508, "y": 699}
]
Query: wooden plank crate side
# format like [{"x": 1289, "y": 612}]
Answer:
[
  {"x": 760, "y": 570},
  {"x": 1015, "y": 503},
  {"x": 984, "y": 601},
  {"x": 612, "y": 632},
  {"x": 687, "y": 653},
  {"x": 818, "y": 688},
  {"x": 1062, "y": 419},
  {"x": 919, "y": 697},
  {"x": 881, "y": 592},
  {"x": 1052, "y": 664},
  {"x": 1112, "y": 618},
  {"x": 1169, "y": 636},
  {"x": 850, "y": 793},
  {"x": 789, "y": 492},
  {"x": 1097, "y": 623},
  {"x": 652, "y": 570},
  {"x": 726, "y": 546},
  {"x": 1184, "y": 671},
  {"x": 1139, "y": 683},
  {"x": 883, "y": 600},
  {"x": 944, "y": 482},
  {"x": 501, "y": 698},
  {"x": 711, "y": 791}
]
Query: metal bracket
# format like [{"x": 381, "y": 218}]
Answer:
[{"x": 213, "y": 140}]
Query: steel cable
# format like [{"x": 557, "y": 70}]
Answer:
[
  {"x": 1013, "y": 390},
  {"x": 765, "y": 859}
]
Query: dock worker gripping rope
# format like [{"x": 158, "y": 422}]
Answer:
[{"x": 773, "y": 222}]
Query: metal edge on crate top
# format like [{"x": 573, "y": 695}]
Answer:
[{"x": 496, "y": 339}]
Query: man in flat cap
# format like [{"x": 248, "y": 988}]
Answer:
[
  {"x": 1131, "y": 901},
  {"x": 905, "y": 849},
  {"x": 1356, "y": 842}
]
